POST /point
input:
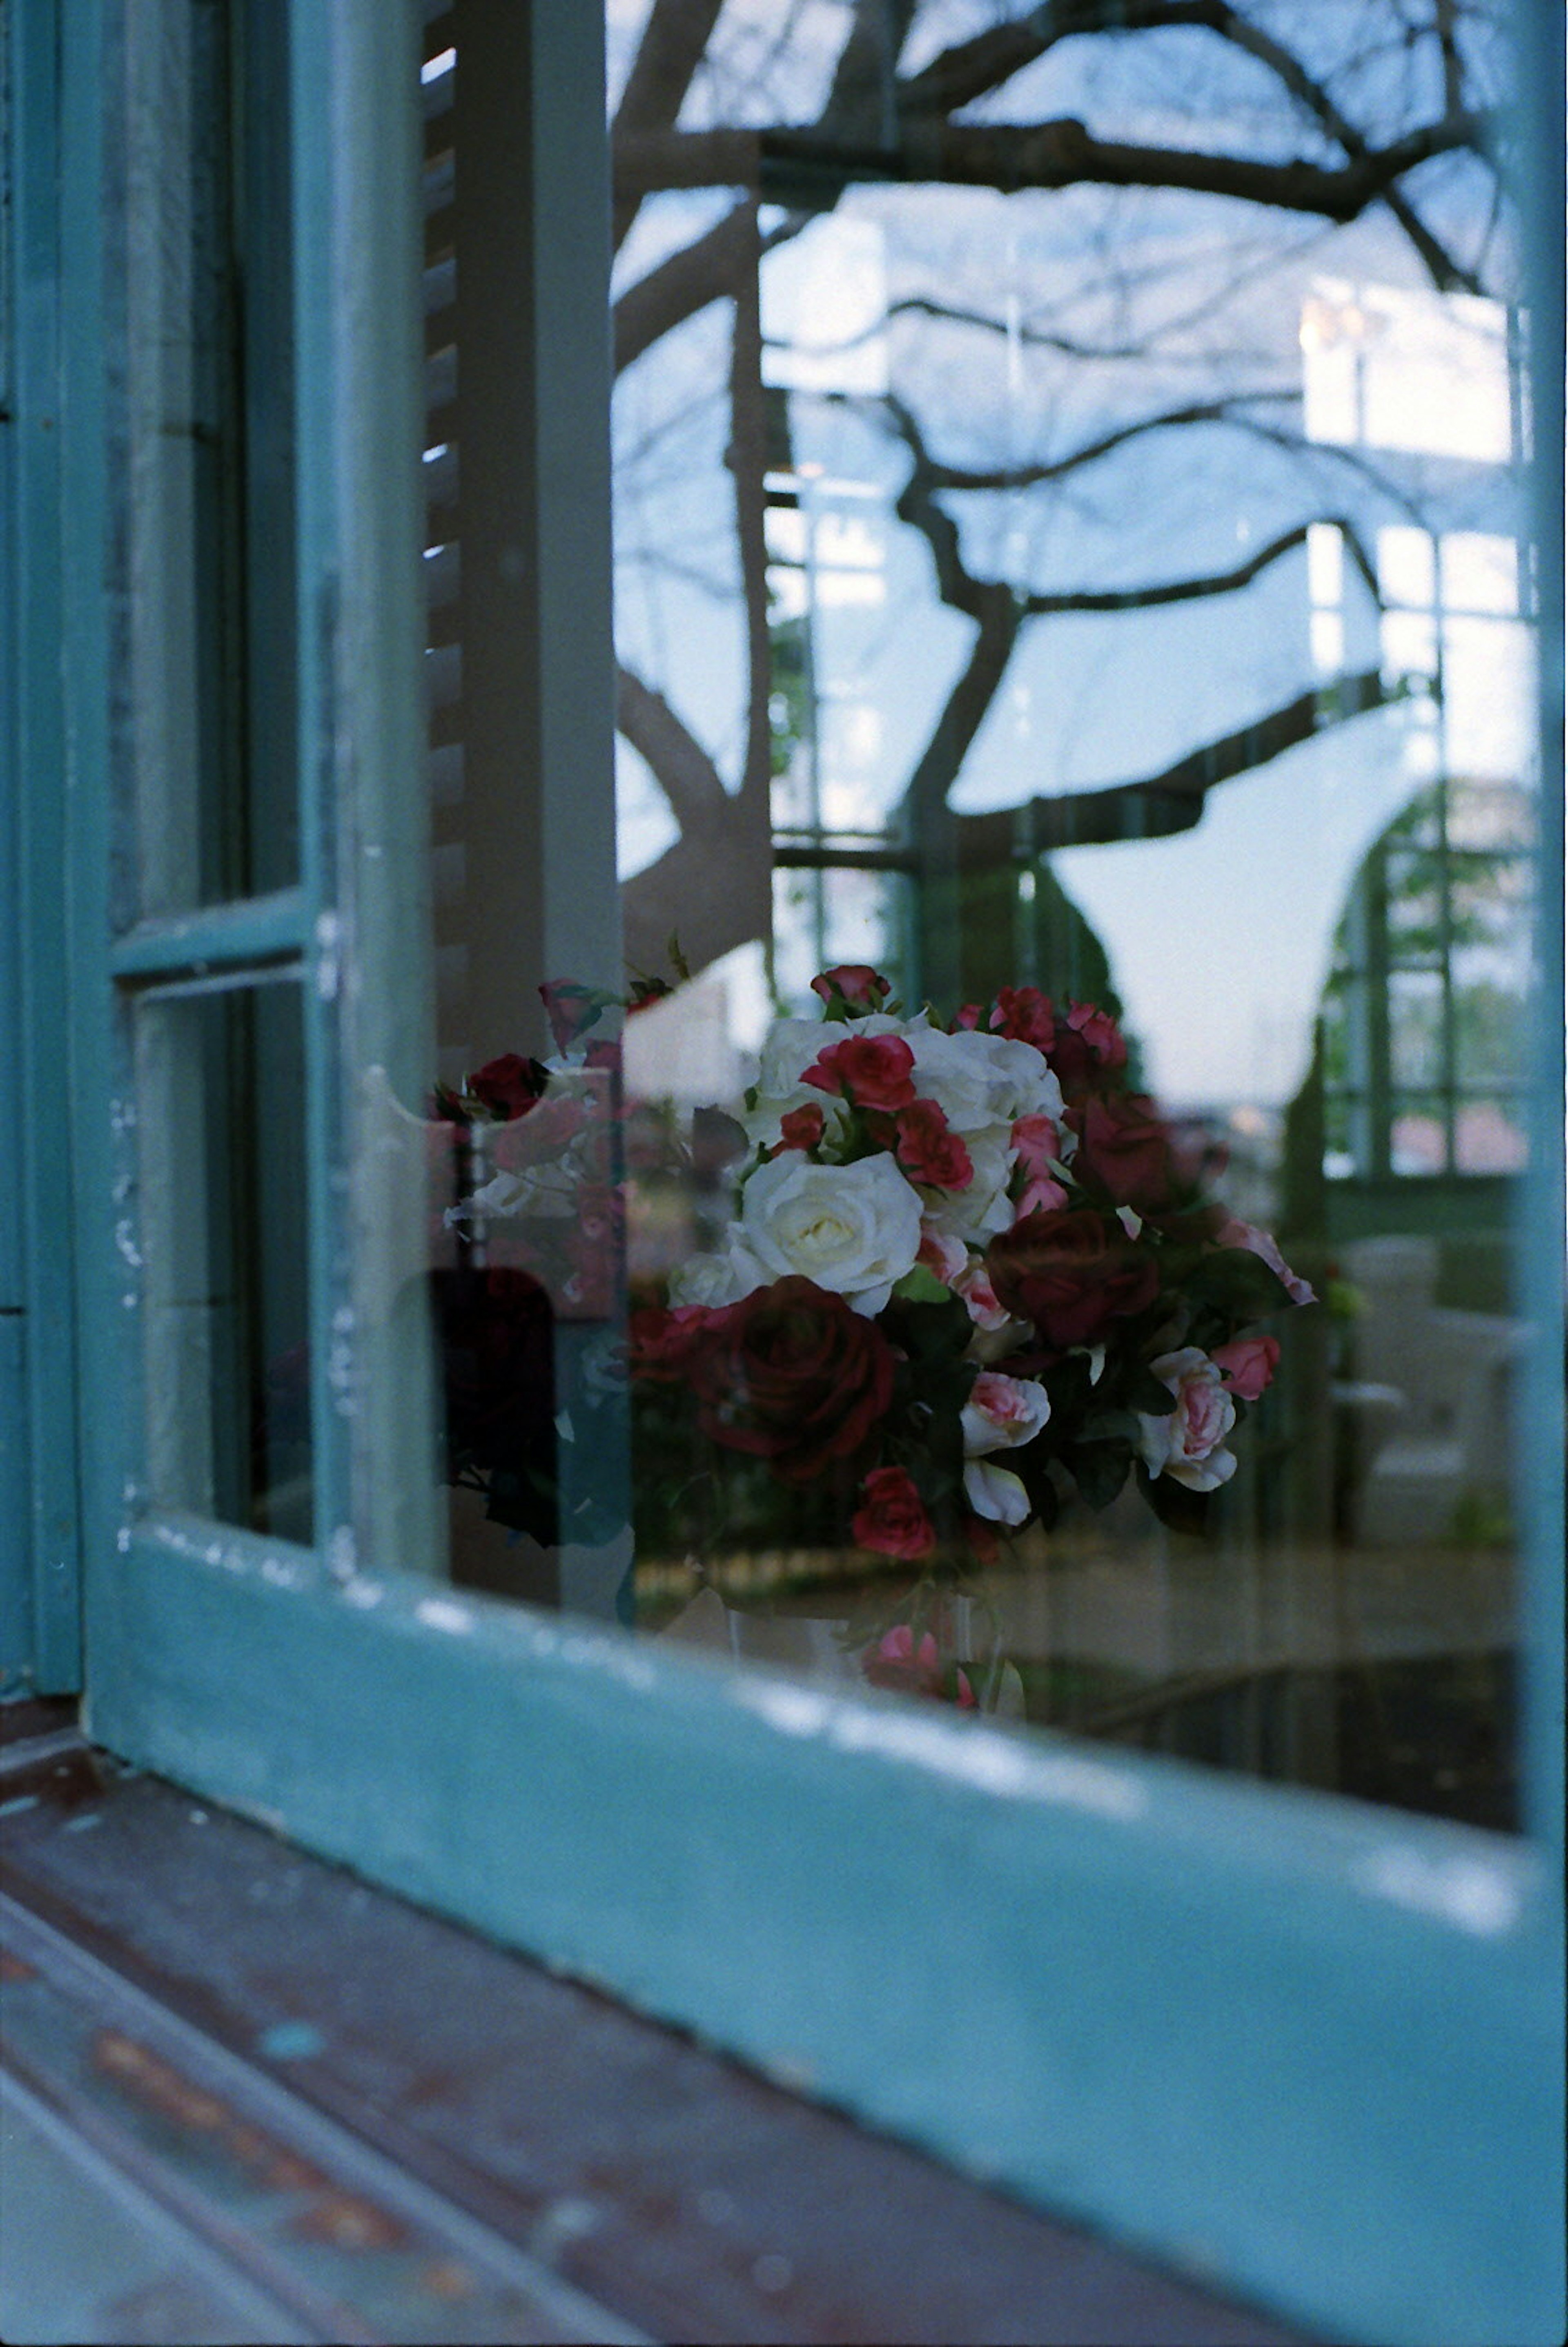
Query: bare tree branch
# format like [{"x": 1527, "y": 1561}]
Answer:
[
  {"x": 674, "y": 38},
  {"x": 1024, "y": 477},
  {"x": 1170, "y": 801},
  {"x": 977, "y": 66},
  {"x": 802, "y": 167},
  {"x": 747, "y": 460},
  {"x": 957, "y": 587},
  {"x": 681, "y": 766},
  {"x": 692, "y": 277}
]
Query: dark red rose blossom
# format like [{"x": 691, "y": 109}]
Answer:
[
  {"x": 893, "y": 1519},
  {"x": 793, "y": 1375},
  {"x": 1088, "y": 1049},
  {"x": 1124, "y": 1153},
  {"x": 510, "y": 1085},
  {"x": 1100, "y": 1032},
  {"x": 1025, "y": 1015},
  {"x": 984, "y": 1546},
  {"x": 929, "y": 1151},
  {"x": 660, "y": 1344},
  {"x": 801, "y": 1127},
  {"x": 1071, "y": 1273},
  {"x": 875, "y": 1070}
]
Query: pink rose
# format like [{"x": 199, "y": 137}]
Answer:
[
  {"x": 927, "y": 1151},
  {"x": 984, "y": 1307},
  {"x": 1247, "y": 1365},
  {"x": 1188, "y": 1444},
  {"x": 873, "y": 1070},
  {"x": 946, "y": 1256},
  {"x": 1002, "y": 1413},
  {"x": 895, "y": 1661},
  {"x": 1258, "y": 1243},
  {"x": 1038, "y": 1143},
  {"x": 571, "y": 1009},
  {"x": 1042, "y": 1197},
  {"x": 855, "y": 983}
]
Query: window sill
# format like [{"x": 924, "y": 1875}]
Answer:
[{"x": 477, "y": 2148}]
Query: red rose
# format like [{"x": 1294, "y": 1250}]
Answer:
[
  {"x": 929, "y": 1151},
  {"x": 799, "y": 1128},
  {"x": 660, "y": 1344},
  {"x": 1071, "y": 1273},
  {"x": 1087, "y": 1046},
  {"x": 1100, "y": 1033},
  {"x": 793, "y": 1375},
  {"x": 1025, "y": 1016},
  {"x": 855, "y": 983},
  {"x": 966, "y": 1020},
  {"x": 1124, "y": 1153},
  {"x": 874, "y": 1071},
  {"x": 893, "y": 1519},
  {"x": 509, "y": 1086}
]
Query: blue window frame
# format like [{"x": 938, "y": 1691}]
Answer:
[{"x": 1309, "y": 2050}]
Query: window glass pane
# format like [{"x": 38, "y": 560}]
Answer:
[
  {"x": 208, "y": 457},
  {"x": 1091, "y": 609},
  {"x": 223, "y": 1279}
]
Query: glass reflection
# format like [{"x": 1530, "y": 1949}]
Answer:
[
  {"x": 229, "y": 1374},
  {"x": 1066, "y": 540}
]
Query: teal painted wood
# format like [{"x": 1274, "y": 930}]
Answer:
[
  {"x": 44, "y": 1422},
  {"x": 1302, "y": 2047},
  {"x": 375, "y": 795},
  {"x": 16, "y": 1577},
  {"x": 316, "y": 127},
  {"x": 1539, "y": 1472},
  {"x": 216, "y": 936},
  {"x": 101, "y": 1096}
]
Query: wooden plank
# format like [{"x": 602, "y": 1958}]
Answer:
[{"x": 698, "y": 2200}]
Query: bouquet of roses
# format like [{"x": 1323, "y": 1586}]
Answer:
[{"x": 968, "y": 1270}]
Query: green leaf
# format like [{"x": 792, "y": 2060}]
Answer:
[
  {"x": 921, "y": 1286},
  {"x": 1111, "y": 1425},
  {"x": 1238, "y": 1283},
  {"x": 1183, "y": 1509},
  {"x": 1100, "y": 1469},
  {"x": 1144, "y": 1391},
  {"x": 929, "y": 1331}
]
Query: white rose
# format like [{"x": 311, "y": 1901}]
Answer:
[
  {"x": 983, "y": 1207},
  {"x": 717, "y": 1279},
  {"x": 996, "y": 1492},
  {"x": 979, "y": 1080},
  {"x": 1002, "y": 1413},
  {"x": 1187, "y": 1445},
  {"x": 853, "y": 1229},
  {"x": 764, "y": 1124}
]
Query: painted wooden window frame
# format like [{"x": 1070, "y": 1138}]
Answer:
[{"x": 1307, "y": 2049}]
